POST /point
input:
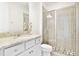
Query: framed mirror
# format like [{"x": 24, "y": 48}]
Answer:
[{"x": 25, "y": 22}]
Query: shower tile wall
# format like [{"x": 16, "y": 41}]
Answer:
[
  {"x": 66, "y": 29},
  {"x": 77, "y": 29},
  {"x": 62, "y": 32}
]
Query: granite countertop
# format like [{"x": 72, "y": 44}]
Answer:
[{"x": 6, "y": 41}]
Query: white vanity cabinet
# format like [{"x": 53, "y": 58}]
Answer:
[{"x": 27, "y": 47}]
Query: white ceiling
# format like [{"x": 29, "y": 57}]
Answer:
[
  {"x": 56, "y": 5},
  {"x": 25, "y": 4},
  {"x": 49, "y": 3}
]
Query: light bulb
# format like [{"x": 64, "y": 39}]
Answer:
[{"x": 49, "y": 16}]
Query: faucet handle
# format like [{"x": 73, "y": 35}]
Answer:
[
  {"x": 54, "y": 48},
  {"x": 72, "y": 53}
]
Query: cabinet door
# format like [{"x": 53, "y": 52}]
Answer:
[
  {"x": 34, "y": 51},
  {"x": 29, "y": 44},
  {"x": 14, "y": 50},
  {"x": 1, "y": 52},
  {"x": 37, "y": 50}
]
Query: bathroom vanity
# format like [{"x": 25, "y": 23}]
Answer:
[{"x": 24, "y": 45}]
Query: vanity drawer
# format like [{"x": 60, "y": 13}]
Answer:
[
  {"x": 29, "y": 44},
  {"x": 37, "y": 41},
  {"x": 14, "y": 50},
  {"x": 28, "y": 52}
]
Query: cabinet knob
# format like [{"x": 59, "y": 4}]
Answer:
[
  {"x": 31, "y": 52},
  {"x": 15, "y": 50}
]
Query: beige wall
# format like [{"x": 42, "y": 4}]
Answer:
[
  {"x": 77, "y": 28},
  {"x": 51, "y": 28},
  {"x": 45, "y": 31}
]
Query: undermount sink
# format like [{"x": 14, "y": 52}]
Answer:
[
  {"x": 26, "y": 35},
  {"x": 19, "y": 35},
  {"x": 6, "y": 39},
  {"x": 15, "y": 38}
]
